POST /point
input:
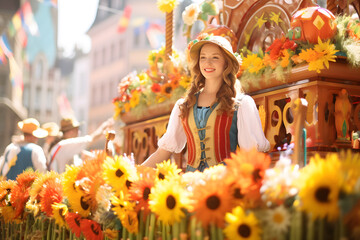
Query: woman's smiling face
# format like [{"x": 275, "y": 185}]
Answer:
[{"x": 212, "y": 61}]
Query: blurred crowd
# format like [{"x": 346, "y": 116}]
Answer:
[{"x": 61, "y": 145}]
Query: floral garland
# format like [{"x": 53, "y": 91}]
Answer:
[
  {"x": 139, "y": 90},
  {"x": 284, "y": 54},
  {"x": 111, "y": 198}
]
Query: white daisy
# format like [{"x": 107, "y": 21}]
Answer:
[
  {"x": 277, "y": 219},
  {"x": 190, "y": 14}
]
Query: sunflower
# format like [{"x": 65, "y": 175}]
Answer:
[
  {"x": 327, "y": 52},
  {"x": 130, "y": 221},
  {"x": 252, "y": 63},
  {"x": 211, "y": 201},
  {"x": 5, "y": 190},
  {"x": 166, "y": 5},
  {"x": 73, "y": 220},
  {"x": 91, "y": 229},
  {"x": 167, "y": 200},
  {"x": 39, "y": 184},
  {"x": 350, "y": 166},
  {"x": 20, "y": 192},
  {"x": 50, "y": 194},
  {"x": 59, "y": 211},
  {"x": 319, "y": 187},
  {"x": 167, "y": 89},
  {"x": 185, "y": 81},
  {"x": 80, "y": 203},
  {"x": 68, "y": 180},
  {"x": 166, "y": 169},
  {"x": 242, "y": 226},
  {"x": 278, "y": 220},
  {"x": 121, "y": 205},
  {"x": 8, "y": 213},
  {"x": 119, "y": 173}
]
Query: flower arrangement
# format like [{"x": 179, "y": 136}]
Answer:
[
  {"x": 198, "y": 12},
  {"x": 285, "y": 53},
  {"x": 139, "y": 90},
  {"x": 112, "y": 198}
]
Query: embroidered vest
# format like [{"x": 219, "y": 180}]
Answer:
[
  {"x": 216, "y": 141},
  {"x": 23, "y": 162}
]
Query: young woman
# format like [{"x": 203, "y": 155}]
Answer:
[{"x": 213, "y": 118}]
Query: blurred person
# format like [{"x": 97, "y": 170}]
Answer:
[
  {"x": 67, "y": 150},
  {"x": 53, "y": 137},
  {"x": 23, "y": 152}
]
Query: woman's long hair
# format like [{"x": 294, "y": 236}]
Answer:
[{"x": 226, "y": 94}]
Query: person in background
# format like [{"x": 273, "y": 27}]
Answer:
[
  {"x": 67, "y": 150},
  {"x": 53, "y": 137},
  {"x": 214, "y": 118},
  {"x": 25, "y": 153}
]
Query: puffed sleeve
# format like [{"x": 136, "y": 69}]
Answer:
[
  {"x": 174, "y": 139},
  {"x": 250, "y": 133}
]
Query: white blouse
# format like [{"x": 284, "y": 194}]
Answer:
[{"x": 250, "y": 133}]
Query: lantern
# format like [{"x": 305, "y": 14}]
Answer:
[{"x": 310, "y": 23}]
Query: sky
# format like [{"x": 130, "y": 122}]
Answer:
[{"x": 75, "y": 17}]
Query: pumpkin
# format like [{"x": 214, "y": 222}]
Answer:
[
  {"x": 223, "y": 31},
  {"x": 308, "y": 24}
]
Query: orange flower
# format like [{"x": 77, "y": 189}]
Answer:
[
  {"x": 73, "y": 220},
  {"x": 285, "y": 59},
  {"x": 167, "y": 89},
  {"x": 140, "y": 190},
  {"x": 269, "y": 62},
  {"x": 91, "y": 229},
  {"x": 211, "y": 202},
  {"x": 50, "y": 194},
  {"x": 20, "y": 193}
]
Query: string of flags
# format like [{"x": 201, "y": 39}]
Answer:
[{"x": 155, "y": 32}]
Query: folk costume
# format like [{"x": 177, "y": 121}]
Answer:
[
  {"x": 211, "y": 137},
  {"x": 21, "y": 155}
]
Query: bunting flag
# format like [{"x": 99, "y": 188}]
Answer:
[
  {"x": 156, "y": 35},
  {"x": 124, "y": 20},
  {"x": 64, "y": 105},
  {"x": 2, "y": 56},
  {"x": 4, "y": 44},
  {"x": 29, "y": 20},
  {"x": 16, "y": 74}
]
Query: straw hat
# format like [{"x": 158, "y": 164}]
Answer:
[
  {"x": 67, "y": 124},
  {"x": 32, "y": 126},
  {"x": 218, "y": 40},
  {"x": 52, "y": 128}
]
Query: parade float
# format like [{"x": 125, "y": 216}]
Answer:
[{"x": 300, "y": 63}]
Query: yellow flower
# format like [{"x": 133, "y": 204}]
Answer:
[
  {"x": 119, "y": 173},
  {"x": 319, "y": 187},
  {"x": 167, "y": 199},
  {"x": 130, "y": 221},
  {"x": 8, "y": 213},
  {"x": 166, "y": 170},
  {"x": 242, "y": 226},
  {"x": 121, "y": 205},
  {"x": 252, "y": 63},
  {"x": 350, "y": 166},
  {"x": 185, "y": 81},
  {"x": 127, "y": 107},
  {"x": 69, "y": 179},
  {"x": 143, "y": 78},
  {"x": 135, "y": 98},
  {"x": 59, "y": 212},
  {"x": 166, "y": 5},
  {"x": 327, "y": 52}
]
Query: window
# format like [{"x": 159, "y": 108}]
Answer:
[
  {"x": 49, "y": 99},
  {"x": 39, "y": 69},
  {"x": 104, "y": 56},
  {"x": 37, "y": 98}
]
